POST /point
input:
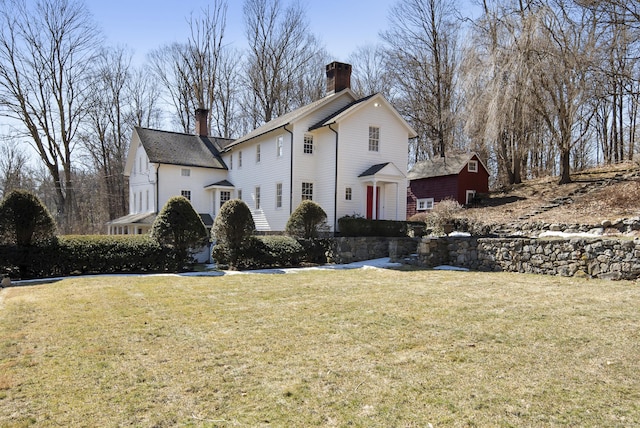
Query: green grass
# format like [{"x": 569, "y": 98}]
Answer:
[{"x": 321, "y": 348}]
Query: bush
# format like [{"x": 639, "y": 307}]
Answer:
[
  {"x": 358, "y": 226},
  {"x": 24, "y": 220},
  {"x": 307, "y": 221},
  {"x": 178, "y": 226},
  {"x": 232, "y": 230}
]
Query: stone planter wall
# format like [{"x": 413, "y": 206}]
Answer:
[{"x": 597, "y": 257}]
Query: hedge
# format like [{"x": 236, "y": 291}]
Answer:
[
  {"x": 358, "y": 226},
  {"x": 273, "y": 252},
  {"x": 74, "y": 255}
]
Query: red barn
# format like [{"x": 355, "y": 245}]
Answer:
[{"x": 456, "y": 176}]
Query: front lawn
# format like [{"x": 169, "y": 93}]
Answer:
[{"x": 366, "y": 347}]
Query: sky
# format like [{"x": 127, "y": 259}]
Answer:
[{"x": 144, "y": 25}]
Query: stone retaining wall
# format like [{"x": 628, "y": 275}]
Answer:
[
  {"x": 356, "y": 249},
  {"x": 597, "y": 257}
]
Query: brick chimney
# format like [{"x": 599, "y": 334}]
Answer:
[
  {"x": 202, "y": 127},
  {"x": 338, "y": 77}
]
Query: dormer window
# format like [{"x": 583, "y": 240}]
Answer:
[{"x": 472, "y": 166}]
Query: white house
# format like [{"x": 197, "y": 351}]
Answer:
[{"x": 347, "y": 154}]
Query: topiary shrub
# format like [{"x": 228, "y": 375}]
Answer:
[
  {"x": 178, "y": 226},
  {"x": 24, "y": 220},
  {"x": 307, "y": 221},
  {"x": 232, "y": 230}
]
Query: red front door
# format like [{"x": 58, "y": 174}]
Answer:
[{"x": 370, "y": 202}]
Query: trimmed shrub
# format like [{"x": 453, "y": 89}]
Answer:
[
  {"x": 178, "y": 226},
  {"x": 358, "y": 226},
  {"x": 274, "y": 252},
  {"x": 74, "y": 255},
  {"x": 232, "y": 230},
  {"x": 24, "y": 220},
  {"x": 307, "y": 221}
]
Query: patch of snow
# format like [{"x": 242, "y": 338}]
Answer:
[
  {"x": 550, "y": 233},
  {"x": 459, "y": 234},
  {"x": 453, "y": 268}
]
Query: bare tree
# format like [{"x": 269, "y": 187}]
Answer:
[
  {"x": 422, "y": 48},
  {"x": 14, "y": 167},
  {"x": 108, "y": 126},
  {"x": 281, "y": 48},
  {"x": 45, "y": 47},
  {"x": 189, "y": 71},
  {"x": 563, "y": 74},
  {"x": 370, "y": 74}
]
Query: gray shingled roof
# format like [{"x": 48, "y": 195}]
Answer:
[
  {"x": 182, "y": 149},
  {"x": 437, "y": 167},
  {"x": 373, "y": 170},
  {"x": 329, "y": 119},
  {"x": 281, "y": 121}
]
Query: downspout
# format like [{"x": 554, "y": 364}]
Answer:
[
  {"x": 335, "y": 190},
  {"x": 158, "y": 189},
  {"x": 291, "y": 172}
]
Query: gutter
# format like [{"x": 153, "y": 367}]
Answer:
[
  {"x": 335, "y": 189},
  {"x": 290, "y": 170}
]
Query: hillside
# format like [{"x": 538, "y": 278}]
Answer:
[{"x": 595, "y": 195}]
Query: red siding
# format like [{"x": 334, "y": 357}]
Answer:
[
  {"x": 448, "y": 186},
  {"x": 478, "y": 181}
]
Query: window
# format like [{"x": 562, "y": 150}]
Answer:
[
  {"x": 473, "y": 166},
  {"x": 308, "y": 144},
  {"x": 471, "y": 194},
  {"x": 240, "y": 194},
  {"x": 185, "y": 172},
  {"x": 186, "y": 194},
  {"x": 230, "y": 162},
  {"x": 258, "y": 153},
  {"x": 307, "y": 191},
  {"x": 239, "y": 159},
  {"x": 425, "y": 204},
  {"x": 348, "y": 194},
  {"x": 147, "y": 200},
  {"x": 257, "y": 195},
  {"x": 278, "y": 195},
  {"x": 280, "y": 146},
  {"x": 225, "y": 195},
  {"x": 140, "y": 201},
  {"x": 374, "y": 138},
  {"x": 133, "y": 198}
]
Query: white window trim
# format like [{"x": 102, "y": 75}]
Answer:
[
  {"x": 472, "y": 166},
  {"x": 377, "y": 150},
  {"x": 302, "y": 198},
  {"x": 279, "y": 196},
  {"x": 258, "y": 153},
  {"x": 257, "y": 198},
  {"x": 310, "y": 146},
  {"x": 280, "y": 146},
  {"x": 349, "y": 190},
  {"x": 470, "y": 195},
  {"x": 424, "y": 204}
]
